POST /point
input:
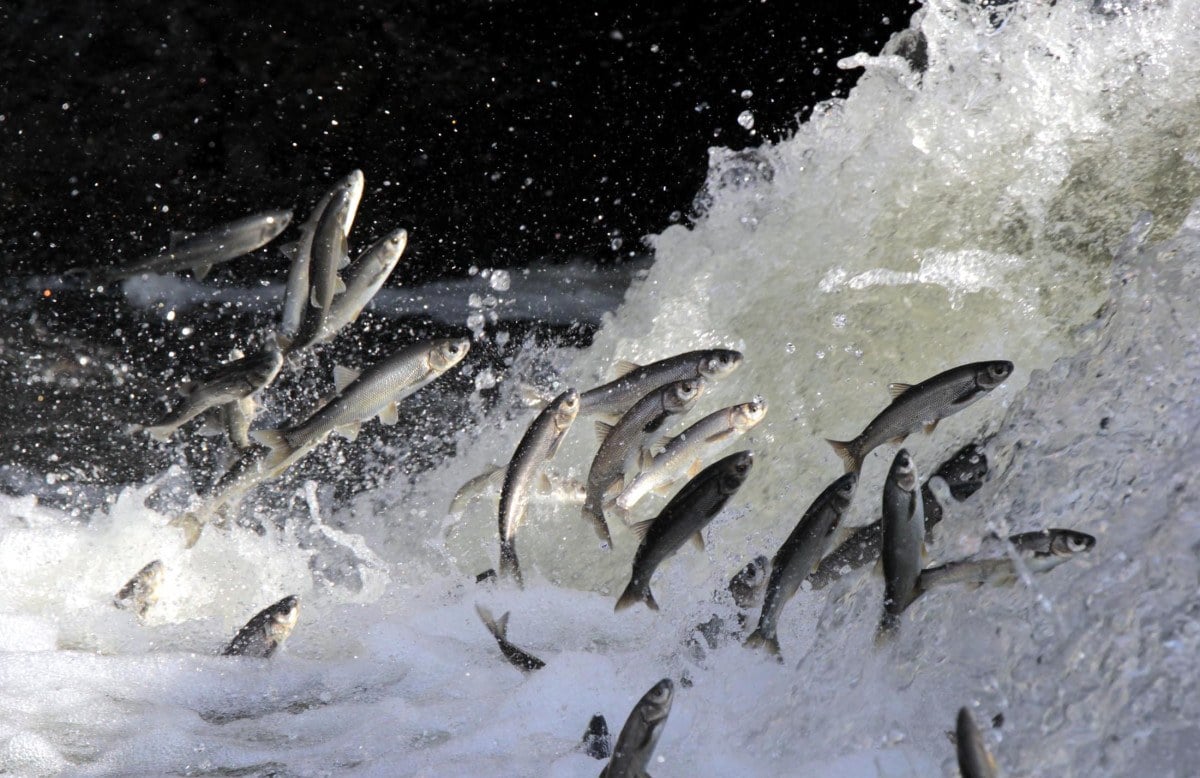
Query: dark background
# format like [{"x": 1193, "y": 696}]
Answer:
[{"x": 498, "y": 133}]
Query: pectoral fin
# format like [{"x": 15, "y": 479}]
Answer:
[{"x": 390, "y": 414}]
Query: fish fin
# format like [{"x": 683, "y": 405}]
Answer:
[
  {"x": 624, "y": 367},
  {"x": 312, "y": 298},
  {"x": 161, "y": 433},
  {"x": 275, "y": 440},
  {"x": 339, "y": 285},
  {"x": 502, "y": 625},
  {"x": 344, "y": 263},
  {"x": 390, "y": 415},
  {"x": 556, "y": 444},
  {"x": 931, "y": 426},
  {"x": 212, "y": 423},
  {"x": 603, "y": 430},
  {"x": 896, "y": 441},
  {"x": 698, "y": 540},
  {"x": 185, "y": 388},
  {"x": 283, "y": 341},
  {"x": 201, "y": 270},
  {"x": 544, "y": 483},
  {"x": 485, "y": 616},
  {"x": 898, "y": 389},
  {"x": 641, "y": 528},
  {"x": 658, "y": 445},
  {"x": 720, "y": 437},
  {"x": 664, "y": 490},
  {"x": 758, "y": 640},
  {"x": 349, "y": 431},
  {"x": 343, "y": 377},
  {"x": 965, "y": 397},
  {"x": 633, "y": 594},
  {"x": 613, "y": 489},
  {"x": 290, "y": 250},
  {"x": 191, "y": 525},
  {"x": 843, "y": 449},
  {"x": 694, "y": 468}
]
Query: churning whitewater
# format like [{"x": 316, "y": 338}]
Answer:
[{"x": 1028, "y": 189}]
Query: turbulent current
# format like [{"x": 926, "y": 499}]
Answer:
[{"x": 1019, "y": 182}]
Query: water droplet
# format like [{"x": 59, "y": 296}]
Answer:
[
  {"x": 839, "y": 321},
  {"x": 790, "y": 348},
  {"x": 486, "y": 379},
  {"x": 747, "y": 94},
  {"x": 615, "y": 244},
  {"x": 746, "y": 119},
  {"x": 474, "y": 301},
  {"x": 674, "y": 216},
  {"x": 475, "y": 322},
  {"x": 501, "y": 281}
]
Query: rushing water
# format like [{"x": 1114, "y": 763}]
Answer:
[{"x": 969, "y": 211}]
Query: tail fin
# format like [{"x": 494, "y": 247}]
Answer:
[
  {"x": 499, "y": 629},
  {"x": 758, "y": 640},
  {"x": 509, "y": 566},
  {"x": 636, "y": 592},
  {"x": 162, "y": 433},
  {"x": 192, "y": 526},
  {"x": 845, "y": 452},
  {"x": 595, "y": 514},
  {"x": 275, "y": 439}
]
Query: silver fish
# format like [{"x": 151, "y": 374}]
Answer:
[
  {"x": 550, "y": 487},
  {"x": 684, "y": 517},
  {"x": 690, "y": 447},
  {"x": 903, "y": 540},
  {"x": 748, "y": 585},
  {"x": 375, "y": 392},
  {"x": 141, "y": 591},
  {"x": 596, "y": 741},
  {"x": 363, "y": 279},
  {"x": 199, "y": 252},
  {"x": 266, "y": 632},
  {"x": 974, "y": 761},
  {"x": 228, "y": 384},
  {"x": 300, "y": 252},
  {"x": 538, "y": 446},
  {"x": 329, "y": 253},
  {"x": 963, "y": 474},
  {"x": 798, "y": 555},
  {"x": 922, "y": 405},
  {"x": 620, "y": 444},
  {"x": 1041, "y": 552},
  {"x": 634, "y": 382},
  {"x": 522, "y": 660},
  {"x": 639, "y": 737}
]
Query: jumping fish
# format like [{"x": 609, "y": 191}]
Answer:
[
  {"x": 522, "y": 660},
  {"x": 639, "y": 737},
  {"x": 363, "y": 279},
  {"x": 1041, "y": 552},
  {"x": 903, "y": 540},
  {"x": 634, "y": 382},
  {"x": 266, "y": 632},
  {"x": 141, "y": 591},
  {"x": 329, "y": 254},
  {"x": 922, "y": 405},
  {"x": 798, "y": 555}
]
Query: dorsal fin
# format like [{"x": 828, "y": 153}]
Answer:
[
  {"x": 897, "y": 389},
  {"x": 603, "y": 430},
  {"x": 641, "y": 528},
  {"x": 624, "y": 367},
  {"x": 659, "y": 445},
  {"x": 343, "y": 376},
  {"x": 339, "y": 286}
]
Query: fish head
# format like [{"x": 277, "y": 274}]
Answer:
[
  {"x": 275, "y": 222},
  {"x": 353, "y": 183},
  {"x": 1066, "y": 542},
  {"x": 843, "y": 491},
  {"x": 448, "y": 352},
  {"x": 394, "y": 244},
  {"x": 284, "y": 615},
  {"x": 718, "y": 363},
  {"x": 749, "y": 581},
  {"x": 749, "y": 414},
  {"x": 904, "y": 471},
  {"x": 656, "y": 703},
  {"x": 566, "y": 408},
  {"x": 682, "y": 395},
  {"x": 734, "y": 469},
  {"x": 989, "y": 375},
  {"x": 153, "y": 573}
]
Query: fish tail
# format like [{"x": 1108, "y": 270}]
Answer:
[
  {"x": 758, "y": 640},
  {"x": 486, "y": 617},
  {"x": 192, "y": 525},
  {"x": 845, "y": 451},
  {"x": 635, "y": 592},
  {"x": 509, "y": 566},
  {"x": 595, "y": 514},
  {"x": 274, "y": 439}
]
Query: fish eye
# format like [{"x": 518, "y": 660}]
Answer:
[
  {"x": 998, "y": 371},
  {"x": 1076, "y": 543}
]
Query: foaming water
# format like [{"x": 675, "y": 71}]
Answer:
[{"x": 962, "y": 213}]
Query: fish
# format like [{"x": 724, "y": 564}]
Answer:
[
  {"x": 267, "y": 631},
  {"x": 539, "y": 445},
  {"x": 633, "y": 382},
  {"x": 922, "y": 405},
  {"x": 620, "y": 444},
  {"x": 639, "y": 737},
  {"x": 329, "y": 252},
  {"x": 903, "y": 540},
  {"x": 748, "y": 584},
  {"x": 522, "y": 660},
  {"x": 363, "y": 279},
  {"x": 141, "y": 591},
  {"x": 596, "y": 741},
  {"x": 684, "y": 517},
  {"x": 963, "y": 474},
  {"x": 238, "y": 416},
  {"x": 550, "y": 487},
  {"x": 1040, "y": 551},
  {"x": 300, "y": 252},
  {"x": 974, "y": 761},
  {"x": 227, "y": 384},
  {"x": 200, "y": 251},
  {"x": 799, "y": 555},
  {"x": 376, "y": 392},
  {"x": 686, "y": 450}
]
